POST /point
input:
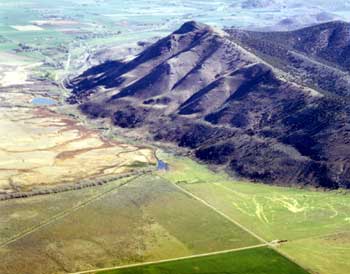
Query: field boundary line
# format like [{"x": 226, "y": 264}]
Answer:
[
  {"x": 269, "y": 244},
  {"x": 63, "y": 214},
  {"x": 319, "y": 236},
  {"x": 221, "y": 214},
  {"x": 172, "y": 260}
]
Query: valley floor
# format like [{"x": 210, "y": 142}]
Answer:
[
  {"x": 40, "y": 145},
  {"x": 309, "y": 227},
  {"x": 186, "y": 218},
  {"x": 186, "y": 212}
]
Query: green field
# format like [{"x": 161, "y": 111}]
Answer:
[
  {"x": 327, "y": 254},
  {"x": 300, "y": 217},
  {"x": 150, "y": 219},
  {"x": 20, "y": 215},
  {"x": 145, "y": 220},
  {"x": 253, "y": 261}
]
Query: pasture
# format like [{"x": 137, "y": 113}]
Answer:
[
  {"x": 253, "y": 261},
  {"x": 303, "y": 219},
  {"x": 143, "y": 220}
]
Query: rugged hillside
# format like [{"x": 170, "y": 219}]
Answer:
[
  {"x": 199, "y": 88},
  {"x": 328, "y": 41},
  {"x": 317, "y": 56}
]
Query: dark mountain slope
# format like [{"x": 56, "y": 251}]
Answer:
[
  {"x": 329, "y": 41},
  {"x": 201, "y": 90},
  {"x": 317, "y": 56}
]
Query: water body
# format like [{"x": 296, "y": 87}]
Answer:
[
  {"x": 43, "y": 101},
  {"x": 161, "y": 165}
]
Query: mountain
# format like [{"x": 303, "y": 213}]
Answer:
[
  {"x": 290, "y": 5},
  {"x": 255, "y": 4},
  {"x": 317, "y": 56},
  {"x": 300, "y": 20},
  {"x": 271, "y": 107}
]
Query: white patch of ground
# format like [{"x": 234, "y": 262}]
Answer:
[
  {"x": 56, "y": 22},
  {"x": 315, "y": 93},
  {"x": 16, "y": 75},
  {"x": 27, "y": 28}
]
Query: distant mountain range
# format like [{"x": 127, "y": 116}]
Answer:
[
  {"x": 334, "y": 5},
  {"x": 268, "y": 106},
  {"x": 283, "y": 15},
  {"x": 253, "y": 4}
]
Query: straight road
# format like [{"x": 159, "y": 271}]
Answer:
[{"x": 170, "y": 260}]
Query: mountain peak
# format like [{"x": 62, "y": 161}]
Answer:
[
  {"x": 215, "y": 96},
  {"x": 191, "y": 26}
]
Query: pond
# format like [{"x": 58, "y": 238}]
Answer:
[
  {"x": 161, "y": 165},
  {"x": 43, "y": 101}
]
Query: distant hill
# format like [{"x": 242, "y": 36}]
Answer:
[
  {"x": 253, "y": 4},
  {"x": 270, "y": 107},
  {"x": 329, "y": 41}
]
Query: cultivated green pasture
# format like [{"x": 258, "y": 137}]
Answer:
[
  {"x": 327, "y": 254},
  {"x": 253, "y": 261},
  {"x": 21, "y": 215},
  {"x": 275, "y": 213},
  {"x": 145, "y": 220}
]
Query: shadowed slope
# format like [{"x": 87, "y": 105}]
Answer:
[{"x": 200, "y": 89}]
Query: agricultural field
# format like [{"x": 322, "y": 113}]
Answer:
[
  {"x": 310, "y": 224},
  {"x": 328, "y": 254},
  {"x": 263, "y": 260},
  {"x": 116, "y": 224},
  {"x": 64, "y": 33},
  {"x": 21, "y": 216},
  {"x": 51, "y": 31}
]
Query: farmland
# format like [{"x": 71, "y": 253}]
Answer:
[
  {"x": 318, "y": 249},
  {"x": 311, "y": 224},
  {"x": 141, "y": 215},
  {"x": 248, "y": 261},
  {"x": 156, "y": 219}
]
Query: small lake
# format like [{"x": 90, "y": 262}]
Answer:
[
  {"x": 43, "y": 101},
  {"x": 161, "y": 165}
]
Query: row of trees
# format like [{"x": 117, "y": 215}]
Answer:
[{"x": 71, "y": 186}]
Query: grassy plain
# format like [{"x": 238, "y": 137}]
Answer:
[
  {"x": 19, "y": 216},
  {"x": 253, "y": 261},
  {"x": 297, "y": 216},
  {"x": 326, "y": 254},
  {"x": 145, "y": 220}
]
